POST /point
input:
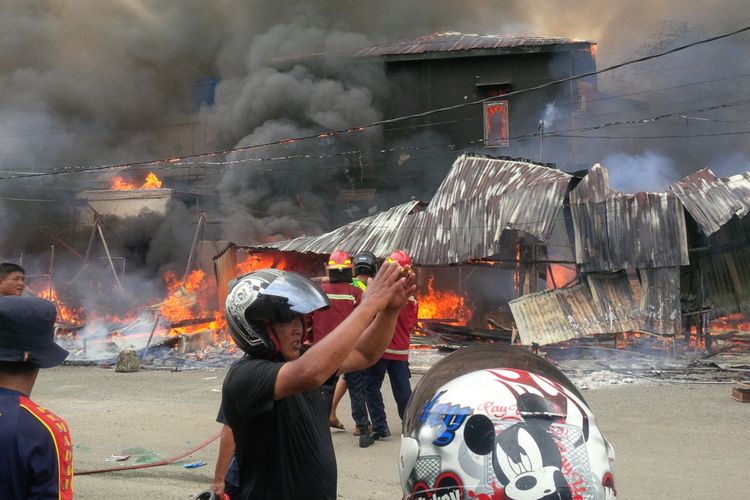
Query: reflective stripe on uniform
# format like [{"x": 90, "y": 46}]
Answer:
[
  {"x": 60, "y": 435},
  {"x": 404, "y": 352},
  {"x": 336, "y": 296}
]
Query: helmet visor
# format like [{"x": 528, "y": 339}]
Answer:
[{"x": 302, "y": 295}]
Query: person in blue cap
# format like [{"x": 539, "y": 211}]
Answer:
[{"x": 36, "y": 453}]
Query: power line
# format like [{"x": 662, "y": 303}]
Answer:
[
  {"x": 675, "y": 136},
  {"x": 638, "y": 121}
]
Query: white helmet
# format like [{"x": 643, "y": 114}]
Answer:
[{"x": 495, "y": 422}]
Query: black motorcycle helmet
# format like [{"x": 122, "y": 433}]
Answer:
[
  {"x": 365, "y": 263},
  {"x": 270, "y": 295}
]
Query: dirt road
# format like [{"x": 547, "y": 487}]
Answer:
[{"x": 672, "y": 441}]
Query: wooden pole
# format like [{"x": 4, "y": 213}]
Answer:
[
  {"x": 194, "y": 246},
  {"x": 51, "y": 268},
  {"x": 109, "y": 257},
  {"x": 153, "y": 329},
  {"x": 88, "y": 250}
]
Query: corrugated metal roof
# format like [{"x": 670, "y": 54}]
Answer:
[
  {"x": 660, "y": 308},
  {"x": 479, "y": 199},
  {"x": 711, "y": 200},
  {"x": 380, "y": 234},
  {"x": 463, "y": 42},
  {"x": 482, "y": 197},
  {"x": 619, "y": 231},
  {"x": 602, "y": 303}
]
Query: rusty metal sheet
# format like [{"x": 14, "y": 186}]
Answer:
[
  {"x": 712, "y": 200},
  {"x": 725, "y": 266},
  {"x": 225, "y": 270},
  {"x": 380, "y": 234},
  {"x": 727, "y": 279},
  {"x": 625, "y": 231},
  {"x": 479, "y": 199},
  {"x": 659, "y": 309},
  {"x": 614, "y": 301},
  {"x": 602, "y": 303},
  {"x": 557, "y": 315},
  {"x": 461, "y": 42}
]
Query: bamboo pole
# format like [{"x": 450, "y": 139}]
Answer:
[{"x": 109, "y": 257}]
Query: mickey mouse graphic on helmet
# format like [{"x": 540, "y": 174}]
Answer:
[{"x": 496, "y": 422}]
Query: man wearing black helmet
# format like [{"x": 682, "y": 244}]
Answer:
[
  {"x": 270, "y": 397},
  {"x": 365, "y": 266}
]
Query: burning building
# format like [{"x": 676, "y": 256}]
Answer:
[{"x": 631, "y": 258}]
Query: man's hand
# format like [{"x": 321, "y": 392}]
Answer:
[
  {"x": 401, "y": 294},
  {"x": 384, "y": 286},
  {"x": 218, "y": 488}
]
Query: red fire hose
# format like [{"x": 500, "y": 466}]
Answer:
[{"x": 153, "y": 464}]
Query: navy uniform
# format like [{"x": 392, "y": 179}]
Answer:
[{"x": 36, "y": 454}]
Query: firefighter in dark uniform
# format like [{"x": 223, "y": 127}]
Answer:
[{"x": 36, "y": 454}]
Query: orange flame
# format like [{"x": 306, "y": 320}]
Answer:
[
  {"x": 256, "y": 261},
  {"x": 559, "y": 275},
  {"x": 443, "y": 305},
  {"x": 120, "y": 184},
  {"x": 190, "y": 301},
  {"x": 68, "y": 315},
  {"x": 739, "y": 322}
]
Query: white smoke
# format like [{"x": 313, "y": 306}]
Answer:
[
  {"x": 549, "y": 116},
  {"x": 650, "y": 171}
]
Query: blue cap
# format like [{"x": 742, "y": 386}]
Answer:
[{"x": 27, "y": 331}]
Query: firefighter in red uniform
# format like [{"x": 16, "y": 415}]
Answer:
[
  {"x": 395, "y": 362},
  {"x": 344, "y": 297},
  {"x": 36, "y": 454}
]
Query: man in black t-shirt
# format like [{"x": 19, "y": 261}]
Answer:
[{"x": 271, "y": 398}]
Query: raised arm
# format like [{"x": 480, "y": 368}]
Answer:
[
  {"x": 325, "y": 357},
  {"x": 378, "y": 335}
]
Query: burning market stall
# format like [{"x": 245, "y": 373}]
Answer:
[
  {"x": 479, "y": 241},
  {"x": 657, "y": 271},
  {"x": 716, "y": 286},
  {"x": 628, "y": 249}
]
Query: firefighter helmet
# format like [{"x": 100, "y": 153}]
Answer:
[
  {"x": 270, "y": 295},
  {"x": 365, "y": 263},
  {"x": 401, "y": 257},
  {"x": 339, "y": 260}
]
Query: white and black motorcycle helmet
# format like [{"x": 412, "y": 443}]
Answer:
[
  {"x": 498, "y": 422},
  {"x": 270, "y": 295}
]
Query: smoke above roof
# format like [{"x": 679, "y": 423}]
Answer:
[{"x": 104, "y": 82}]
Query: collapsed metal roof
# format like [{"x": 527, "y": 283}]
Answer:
[
  {"x": 448, "y": 43},
  {"x": 482, "y": 197},
  {"x": 479, "y": 199},
  {"x": 380, "y": 234},
  {"x": 624, "y": 231},
  {"x": 711, "y": 200},
  {"x": 602, "y": 303}
]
